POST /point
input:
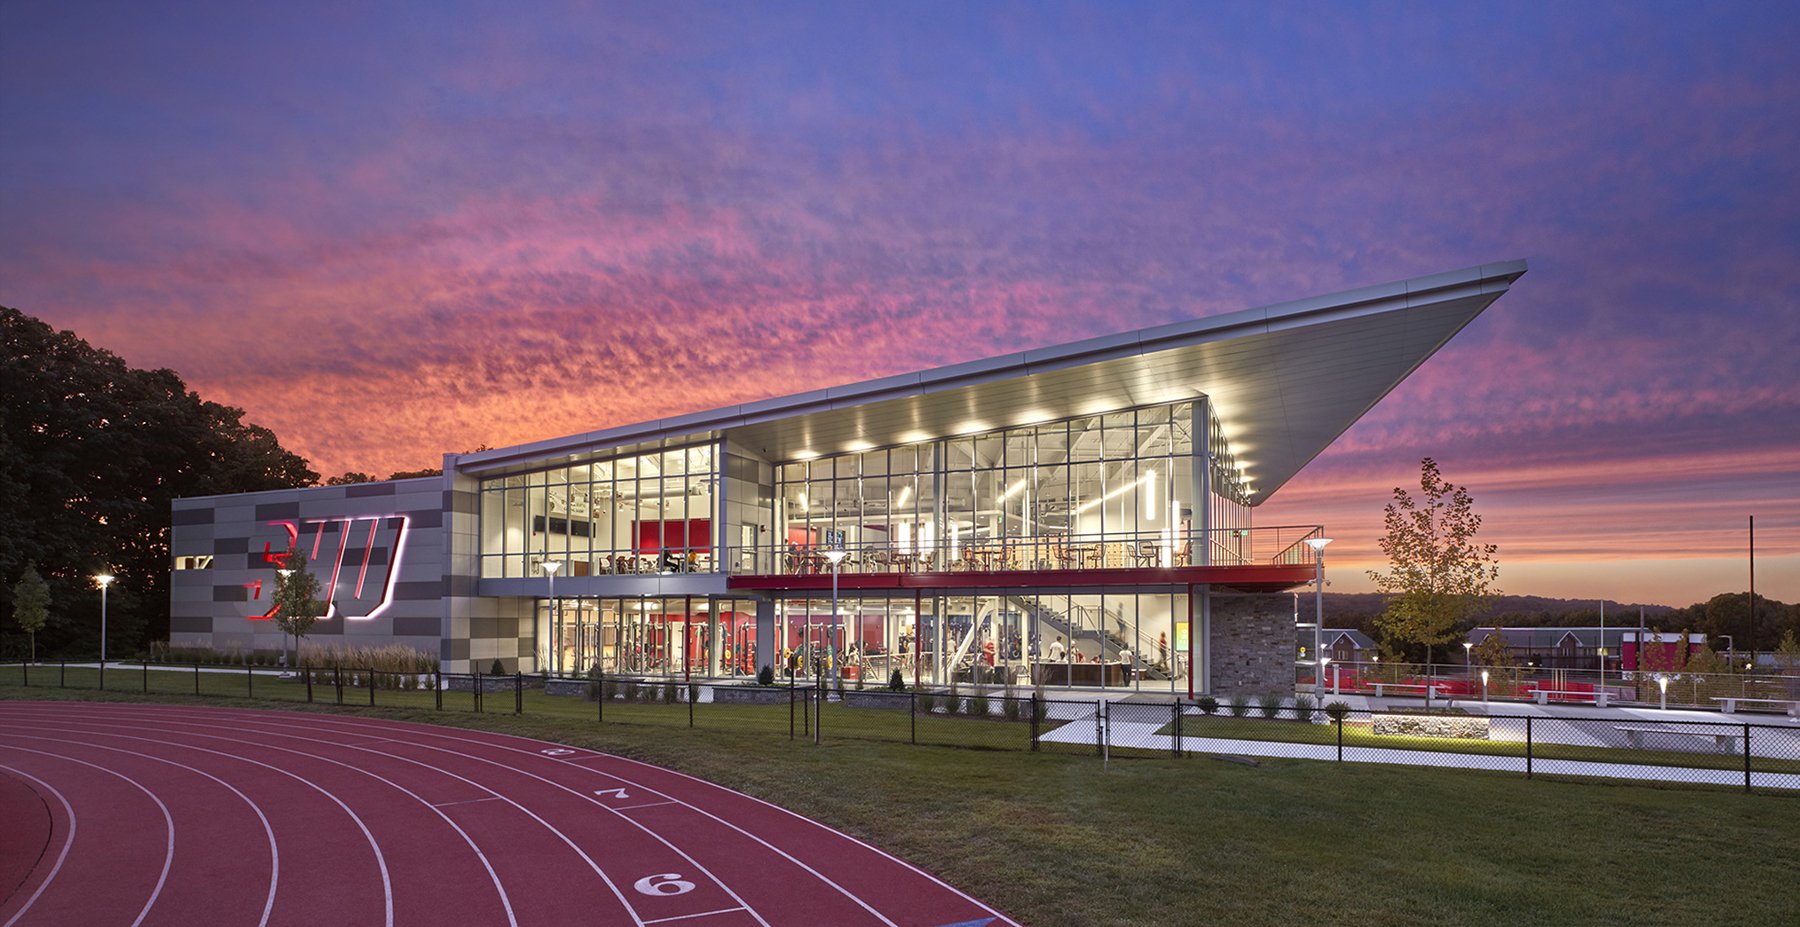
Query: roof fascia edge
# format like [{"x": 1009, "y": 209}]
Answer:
[{"x": 1493, "y": 277}]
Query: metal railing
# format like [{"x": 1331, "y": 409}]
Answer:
[
  {"x": 1552, "y": 684},
  {"x": 1275, "y": 546},
  {"x": 1726, "y": 751}
]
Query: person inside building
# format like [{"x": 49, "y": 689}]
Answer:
[{"x": 1057, "y": 650}]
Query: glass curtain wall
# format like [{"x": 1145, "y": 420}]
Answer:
[
  {"x": 645, "y": 513},
  {"x": 667, "y": 636},
  {"x": 1131, "y": 640},
  {"x": 1112, "y": 490}
]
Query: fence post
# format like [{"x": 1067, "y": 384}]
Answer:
[
  {"x": 693, "y": 692},
  {"x": 146, "y": 675},
  {"x": 1340, "y": 737},
  {"x": 912, "y": 708},
  {"x": 480, "y": 686},
  {"x": 790, "y": 710},
  {"x": 196, "y": 678},
  {"x": 1527, "y": 746},
  {"x": 371, "y": 687},
  {"x": 337, "y": 676},
  {"x": 437, "y": 687},
  {"x": 307, "y": 672},
  {"x": 518, "y": 693},
  {"x": 103, "y": 675},
  {"x": 249, "y": 681},
  {"x": 1037, "y": 713},
  {"x": 1175, "y": 742},
  {"x": 1746, "y": 758},
  {"x": 25, "y": 668},
  {"x": 1105, "y": 731}
]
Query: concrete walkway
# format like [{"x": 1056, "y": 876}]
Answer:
[{"x": 1136, "y": 726}]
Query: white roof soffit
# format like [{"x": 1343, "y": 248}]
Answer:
[{"x": 1285, "y": 381}]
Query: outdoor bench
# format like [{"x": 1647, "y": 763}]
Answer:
[
  {"x": 1439, "y": 690},
  {"x": 1725, "y": 740},
  {"x": 1598, "y": 697},
  {"x": 1780, "y": 704}
]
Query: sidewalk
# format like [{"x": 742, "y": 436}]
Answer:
[{"x": 1142, "y": 735}]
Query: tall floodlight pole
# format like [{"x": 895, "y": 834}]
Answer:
[
  {"x": 550, "y": 567},
  {"x": 1318, "y": 546},
  {"x": 105, "y": 580}
]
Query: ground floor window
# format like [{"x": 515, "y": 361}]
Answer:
[
  {"x": 1124, "y": 640},
  {"x": 1133, "y": 640},
  {"x": 676, "y": 636}
]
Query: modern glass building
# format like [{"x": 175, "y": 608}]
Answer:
[{"x": 1079, "y": 515}]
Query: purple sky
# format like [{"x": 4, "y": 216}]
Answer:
[{"x": 422, "y": 228}]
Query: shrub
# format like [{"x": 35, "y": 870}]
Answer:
[
  {"x": 1207, "y": 704},
  {"x": 1240, "y": 705},
  {"x": 693, "y": 693},
  {"x": 1338, "y": 711},
  {"x": 629, "y": 692},
  {"x": 609, "y": 689},
  {"x": 955, "y": 702},
  {"x": 498, "y": 669},
  {"x": 1010, "y": 707},
  {"x": 670, "y": 693},
  {"x": 1270, "y": 705},
  {"x": 978, "y": 703},
  {"x": 928, "y": 702},
  {"x": 1303, "y": 708},
  {"x": 896, "y": 682},
  {"x": 765, "y": 676}
]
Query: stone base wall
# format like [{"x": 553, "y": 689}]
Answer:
[
  {"x": 1459, "y": 728},
  {"x": 1252, "y": 639}
]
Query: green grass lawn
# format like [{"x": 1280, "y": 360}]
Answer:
[{"x": 1059, "y": 839}]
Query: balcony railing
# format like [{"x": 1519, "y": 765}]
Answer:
[{"x": 1279, "y": 546}]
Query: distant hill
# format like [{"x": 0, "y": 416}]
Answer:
[{"x": 1358, "y": 609}]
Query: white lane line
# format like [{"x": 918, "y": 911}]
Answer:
[
  {"x": 274, "y": 853},
  {"x": 68, "y": 839},
  {"x": 689, "y": 917},
  {"x": 168, "y": 822},
  {"x": 380, "y": 860},
  {"x": 139, "y": 725},
  {"x": 575, "y": 763},
  {"x": 833, "y": 831},
  {"x": 648, "y": 804},
  {"x": 466, "y": 801},
  {"x": 556, "y": 785}
]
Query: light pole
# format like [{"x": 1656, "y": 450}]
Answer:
[
  {"x": 285, "y": 576},
  {"x": 105, "y": 580},
  {"x": 1318, "y": 547},
  {"x": 1484, "y": 682},
  {"x": 1662, "y": 682},
  {"x": 830, "y": 660},
  {"x": 550, "y": 567},
  {"x": 1469, "y": 661}
]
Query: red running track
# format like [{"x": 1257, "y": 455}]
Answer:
[{"x": 147, "y": 814}]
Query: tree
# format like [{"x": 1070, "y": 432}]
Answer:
[
  {"x": 1438, "y": 576},
  {"x": 92, "y": 452},
  {"x": 31, "y": 604},
  {"x": 297, "y": 605}
]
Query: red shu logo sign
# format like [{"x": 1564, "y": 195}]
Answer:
[{"x": 356, "y": 560}]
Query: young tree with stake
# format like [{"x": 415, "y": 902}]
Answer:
[
  {"x": 1437, "y": 576},
  {"x": 31, "y": 604},
  {"x": 297, "y": 605}
]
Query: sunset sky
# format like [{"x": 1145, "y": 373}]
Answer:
[{"x": 392, "y": 230}]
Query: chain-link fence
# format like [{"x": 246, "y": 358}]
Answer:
[{"x": 1638, "y": 744}]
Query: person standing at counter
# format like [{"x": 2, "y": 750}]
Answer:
[{"x": 1057, "y": 650}]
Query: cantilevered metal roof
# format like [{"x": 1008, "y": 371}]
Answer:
[{"x": 1285, "y": 381}]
